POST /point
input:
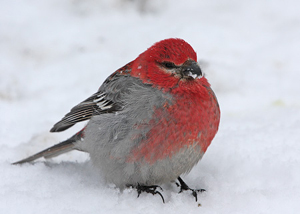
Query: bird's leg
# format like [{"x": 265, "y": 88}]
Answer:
[
  {"x": 149, "y": 189},
  {"x": 184, "y": 187}
]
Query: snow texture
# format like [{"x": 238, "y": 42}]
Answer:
[{"x": 54, "y": 54}]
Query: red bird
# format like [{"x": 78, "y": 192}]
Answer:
[{"x": 150, "y": 121}]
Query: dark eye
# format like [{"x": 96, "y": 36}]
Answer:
[{"x": 169, "y": 65}]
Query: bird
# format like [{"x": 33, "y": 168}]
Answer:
[{"x": 150, "y": 121}]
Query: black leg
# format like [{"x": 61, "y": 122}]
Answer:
[
  {"x": 149, "y": 189},
  {"x": 184, "y": 187}
]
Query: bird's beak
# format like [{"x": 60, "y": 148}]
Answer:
[{"x": 190, "y": 69}]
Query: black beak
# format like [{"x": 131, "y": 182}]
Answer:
[{"x": 190, "y": 69}]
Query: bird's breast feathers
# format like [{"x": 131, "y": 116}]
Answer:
[{"x": 190, "y": 120}]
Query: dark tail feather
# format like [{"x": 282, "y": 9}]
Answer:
[{"x": 58, "y": 149}]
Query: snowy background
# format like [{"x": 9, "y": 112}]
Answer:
[{"x": 54, "y": 54}]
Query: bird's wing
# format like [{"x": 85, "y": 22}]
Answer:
[
  {"x": 95, "y": 104},
  {"x": 105, "y": 100}
]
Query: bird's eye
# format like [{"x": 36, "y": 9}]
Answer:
[{"x": 169, "y": 65}]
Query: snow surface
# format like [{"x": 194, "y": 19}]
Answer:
[{"x": 54, "y": 54}]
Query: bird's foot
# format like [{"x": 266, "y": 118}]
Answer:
[
  {"x": 150, "y": 189},
  {"x": 183, "y": 187}
]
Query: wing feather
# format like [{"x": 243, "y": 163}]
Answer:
[
  {"x": 106, "y": 100},
  {"x": 95, "y": 104}
]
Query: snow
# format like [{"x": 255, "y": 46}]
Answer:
[{"x": 54, "y": 54}]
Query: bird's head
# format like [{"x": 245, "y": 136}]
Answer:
[{"x": 167, "y": 63}]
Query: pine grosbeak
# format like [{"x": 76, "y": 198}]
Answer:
[{"x": 150, "y": 121}]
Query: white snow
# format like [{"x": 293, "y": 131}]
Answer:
[{"x": 54, "y": 54}]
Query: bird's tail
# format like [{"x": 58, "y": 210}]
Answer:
[{"x": 58, "y": 149}]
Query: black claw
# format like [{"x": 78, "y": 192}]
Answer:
[
  {"x": 183, "y": 187},
  {"x": 149, "y": 189}
]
